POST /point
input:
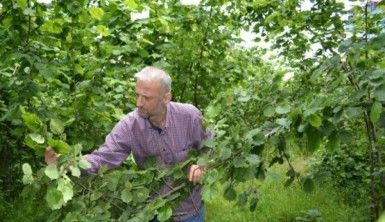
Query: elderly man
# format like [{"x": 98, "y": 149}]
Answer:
[{"x": 160, "y": 128}]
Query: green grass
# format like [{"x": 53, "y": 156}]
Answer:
[{"x": 278, "y": 203}]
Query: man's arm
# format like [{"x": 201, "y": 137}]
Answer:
[{"x": 112, "y": 153}]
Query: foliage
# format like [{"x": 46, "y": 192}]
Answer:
[{"x": 67, "y": 76}]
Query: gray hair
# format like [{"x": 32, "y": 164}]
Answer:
[{"x": 150, "y": 73}]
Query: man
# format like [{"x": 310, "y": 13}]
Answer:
[{"x": 160, "y": 128}]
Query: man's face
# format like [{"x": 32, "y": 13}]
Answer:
[{"x": 151, "y": 99}]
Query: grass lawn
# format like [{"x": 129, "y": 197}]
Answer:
[{"x": 278, "y": 203}]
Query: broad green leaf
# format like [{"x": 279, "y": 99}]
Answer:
[
  {"x": 353, "y": 112},
  {"x": 51, "y": 171},
  {"x": 23, "y": 4},
  {"x": 96, "y": 13},
  {"x": 54, "y": 198},
  {"x": 66, "y": 188},
  {"x": 37, "y": 138},
  {"x": 269, "y": 111},
  {"x": 131, "y": 4},
  {"x": 140, "y": 195},
  {"x": 209, "y": 193},
  {"x": 164, "y": 213},
  {"x": 56, "y": 126},
  {"x": 59, "y": 146},
  {"x": 29, "y": 12},
  {"x": 253, "y": 159},
  {"x": 126, "y": 195},
  {"x": 84, "y": 164},
  {"x": 308, "y": 185},
  {"x": 53, "y": 26},
  {"x": 282, "y": 109},
  {"x": 39, "y": 148},
  {"x": 102, "y": 30},
  {"x": 75, "y": 171},
  {"x": 375, "y": 112},
  {"x": 32, "y": 121},
  {"x": 27, "y": 179},
  {"x": 225, "y": 153},
  {"x": 27, "y": 170},
  {"x": 379, "y": 93},
  {"x": 315, "y": 120}
]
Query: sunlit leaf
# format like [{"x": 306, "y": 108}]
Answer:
[
  {"x": 59, "y": 146},
  {"x": 51, "y": 171},
  {"x": 56, "y": 126},
  {"x": 27, "y": 170},
  {"x": 96, "y": 13}
]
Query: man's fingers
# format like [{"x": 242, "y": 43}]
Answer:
[
  {"x": 195, "y": 174},
  {"x": 50, "y": 156}
]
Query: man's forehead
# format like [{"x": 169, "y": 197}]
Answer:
[{"x": 149, "y": 85}]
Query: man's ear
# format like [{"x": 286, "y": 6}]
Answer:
[{"x": 167, "y": 97}]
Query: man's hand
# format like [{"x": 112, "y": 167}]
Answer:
[
  {"x": 50, "y": 156},
  {"x": 195, "y": 174}
]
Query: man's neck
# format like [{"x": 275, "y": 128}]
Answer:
[{"x": 159, "y": 120}]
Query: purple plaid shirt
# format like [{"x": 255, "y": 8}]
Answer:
[{"x": 183, "y": 131}]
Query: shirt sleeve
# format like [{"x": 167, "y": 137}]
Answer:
[{"x": 114, "y": 151}]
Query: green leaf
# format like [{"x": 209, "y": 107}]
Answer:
[
  {"x": 315, "y": 120},
  {"x": 56, "y": 126},
  {"x": 84, "y": 164},
  {"x": 37, "y": 138},
  {"x": 32, "y": 121},
  {"x": 66, "y": 189},
  {"x": 269, "y": 111},
  {"x": 141, "y": 194},
  {"x": 164, "y": 213},
  {"x": 27, "y": 170},
  {"x": 54, "y": 198},
  {"x": 29, "y": 12},
  {"x": 51, "y": 171},
  {"x": 126, "y": 195},
  {"x": 379, "y": 93},
  {"x": 59, "y": 146},
  {"x": 75, "y": 171},
  {"x": 96, "y": 13},
  {"x": 102, "y": 30},
  {"x": 209, "y": 193},
  {"x": 253, "y": 159},
  {"x": 282, "y": 109},
  {"x": 131, "y": 4},
  {"x": 53, "y": 26},
  {"x": 23, "y": 4},
  {"x": 39, "y": 148},
  {"x": 308, "y": 185},
  {"x": 225, "y": 153},
  {"x": 375, "y": 112}
]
